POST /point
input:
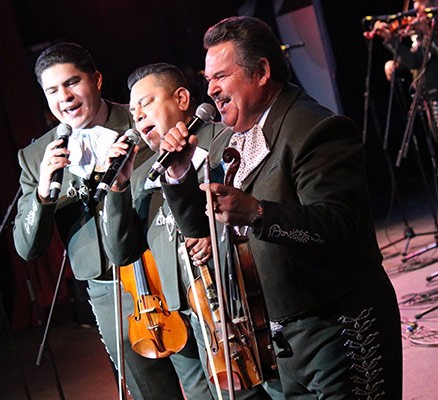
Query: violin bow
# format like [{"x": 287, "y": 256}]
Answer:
[
  {"x": 184, "y": 254},
  {"x": 218, "y": 275}
]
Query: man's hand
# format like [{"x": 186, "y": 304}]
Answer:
[
  {"x": 199, "y": 249},
  {"x": 382, "y": 29},
  {"x": 54, "y": 159},
  {"x": 232, "y": 206},
  {"x": 120, "y": 148},
  {"x": 179, "y": 140}
]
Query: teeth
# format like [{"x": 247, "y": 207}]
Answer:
[{"x": 69, "y": 109}]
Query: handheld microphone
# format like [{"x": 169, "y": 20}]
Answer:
[
  {"x": 116, "y": 166},
  {"x": 204, "y": 113},
  {"x": 63, "y": 131}
]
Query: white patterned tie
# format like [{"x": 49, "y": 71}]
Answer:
[{"x": 253, "y": 149}]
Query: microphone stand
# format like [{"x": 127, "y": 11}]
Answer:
[
  {"x": 3, "y": 309},
  {"x": 419, "y": 95},
  {"x": 416, "y": 100},
  {"x": 408, "y": 232},
  {"x": 391, "y": 97},
  {"x": 34, "y": 301},
  {"x": 46, "y": 330},
  {"x": 118, "y": 315},
  {"x": 367, "y": 92}
]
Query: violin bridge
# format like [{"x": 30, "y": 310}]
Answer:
[{"x": 149, "y": 310}]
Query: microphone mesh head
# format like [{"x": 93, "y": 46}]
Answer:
[
  {"x": 133, "y": 136},
  {"x": 63, "y": 130},
  {"x": 206, "y": 112}
]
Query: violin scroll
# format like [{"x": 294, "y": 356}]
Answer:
[{"x": 231, "y": 156}]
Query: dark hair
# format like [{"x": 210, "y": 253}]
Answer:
[
  {"x": 254, "y": 40},
  {"x": 167, "y": 74},
  {"x": 64, "y": 53}
]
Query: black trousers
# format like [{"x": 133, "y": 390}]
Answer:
[{"x": 349, "y": 350}]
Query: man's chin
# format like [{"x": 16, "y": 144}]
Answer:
[
  {"x": 75, "y": 123},
  {"x": 152, "y": 145}
]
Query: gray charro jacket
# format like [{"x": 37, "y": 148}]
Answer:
[{"x": 79, "y": 229}]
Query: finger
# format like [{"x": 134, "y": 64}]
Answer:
[
  {"x": 216, "y": 188},
  {"x": 54, "y": 163},
  {"x": 59, "y": 152},
  {"x": 199, "y": 255},
  {"x": 115, "y": 152},
  {"x": 220, "y": 190},
  {"x": 182, "y": 127},
  {"x": 200, "y": 258},
  {"x": 193, "y": 140},
  {"x": 55, "y": 144},
  {"x": 122, "y": 139},
  {"x": 191, "y": 242},
  {"x": 172, "y": 143}
]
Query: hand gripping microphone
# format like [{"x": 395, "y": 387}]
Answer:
[
  {"x": 63, "y": 131},
  {"x": 116, "y": 166},
  {"x": 204, "y": 113}
]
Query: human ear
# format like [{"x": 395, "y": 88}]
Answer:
[
  {"x": 182, "y": 96},
  {"x": 264, "y": 71},
  {"x": 97, "y": 78}
]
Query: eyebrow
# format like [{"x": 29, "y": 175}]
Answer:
[
  {"x": 142, "y": 98},
  {"x": 131, "y": 108},
  {"x": 207, "y": 78},
  {"x": 66, "y": 82}
]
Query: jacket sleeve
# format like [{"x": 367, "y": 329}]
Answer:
[
  {"x": 123, "y": 236},
  {"x": 187, "y": 202},
  {"x": 34, "y": 222}
]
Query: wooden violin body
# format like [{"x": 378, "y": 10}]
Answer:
[
  {"x": 254, "y": 325},
  {"x": 252, "y": 318},
  {"x": 245, "y": 373},
  {"x": 154, "y": 331},
  {"x": 250, "y": 356}
]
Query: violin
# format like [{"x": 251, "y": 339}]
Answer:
[
  {"x": 237, "y": 360},
  {"x": 251, "y": 318},
  {"x": 402, "y": 26},
  {"x": 404, "y": 23},
  {"x": 154, "y": 331},
  {"x": 245, "y": 373}
]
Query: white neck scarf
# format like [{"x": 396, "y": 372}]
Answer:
[
  {"x": 253, "y": 149},
  {"x": 89, "y": 149}
]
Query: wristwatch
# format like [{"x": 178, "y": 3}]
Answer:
[{"x": 257, "y": 221}]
